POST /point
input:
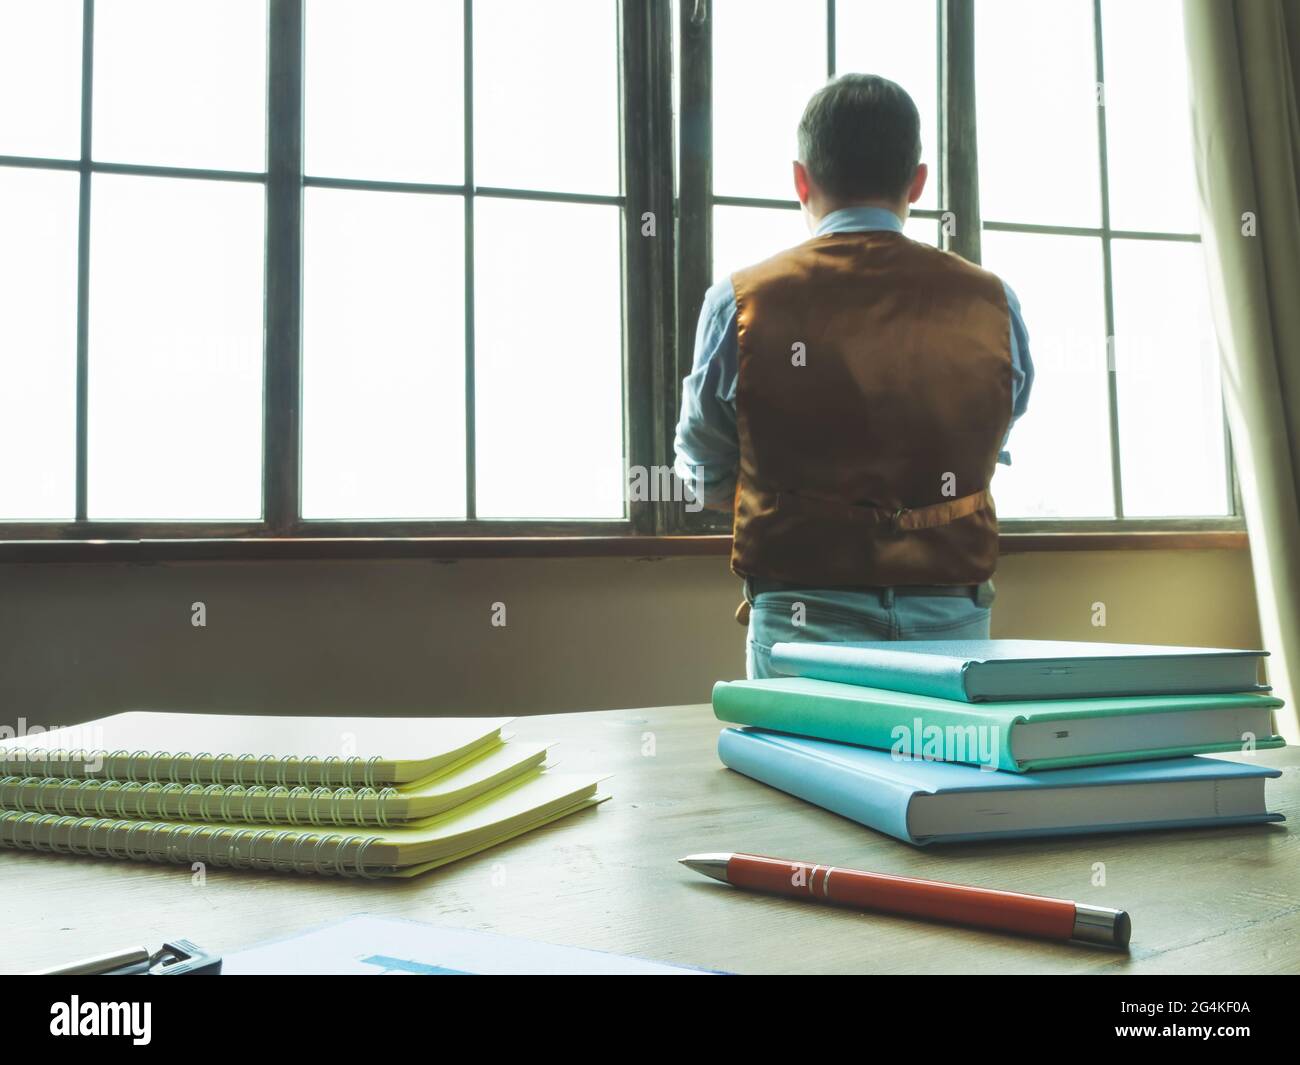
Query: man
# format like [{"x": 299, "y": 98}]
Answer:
[{"x": 850, "y": 399}]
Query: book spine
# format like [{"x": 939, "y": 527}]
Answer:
[
  {"x": 872, "y": 801},
  {"x": 282, "y": 850},
  {"x": 183, "y": 767},
  {"x": 932, "y": 675},
  {"x": 92, "y": 797}
]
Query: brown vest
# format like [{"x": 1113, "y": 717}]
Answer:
[{"x": 869, "y": 464}]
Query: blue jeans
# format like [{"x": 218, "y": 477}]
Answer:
[{"x": 841, "y": 615}]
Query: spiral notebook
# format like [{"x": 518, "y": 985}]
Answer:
[
  {"x": 156, "y": 747},
  {"x": 387, "y": 851},
  {"x": 84, "y": 796}
]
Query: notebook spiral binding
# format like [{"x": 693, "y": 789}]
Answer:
[
  {"x": 164, "y": 766},
  {"x": 87, "y": 796},
  {"x": 235, "y": 848}
]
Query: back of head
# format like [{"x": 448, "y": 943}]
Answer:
[{"x": 860, "y": 138}]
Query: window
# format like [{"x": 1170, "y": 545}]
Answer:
[
  {"x": 1085, "y": 187},
  {"x": 1092, "y": 218},
  {"x": 424, "y": 398},
  {"x": 137, "y": 224},
  {"x": 755, "y": 115},
  {"x": 406, "y": 268},
  {"x": 318, "y": 267}
]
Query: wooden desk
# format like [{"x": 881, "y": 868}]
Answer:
[{"x": 1213, "y": 900}]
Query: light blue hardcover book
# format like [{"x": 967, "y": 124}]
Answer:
[
  {"x": 995, "y": 670},
  {"x": 924, "y": 802}
]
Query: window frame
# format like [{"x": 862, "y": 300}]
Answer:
[
  {"x": 664, "y": 279},
  {"x": 645, "y": 108},
  {"x": 957, "y": 163}
]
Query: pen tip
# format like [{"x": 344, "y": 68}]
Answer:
[{"x": 714, "y": 865}]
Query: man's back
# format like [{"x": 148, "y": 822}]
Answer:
[
  {"x": 850, "y": 398},
  {"x": 888, "y": 362}
]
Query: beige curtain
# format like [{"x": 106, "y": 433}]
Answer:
[{"x": 1244, "y": 60}]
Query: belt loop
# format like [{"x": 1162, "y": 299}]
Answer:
[
  {"x": 887, "y": 598},
  {"x": 746, "y": 604},
  {"x": 985, "y": 593},
  {"x": 749, "y": 591}
]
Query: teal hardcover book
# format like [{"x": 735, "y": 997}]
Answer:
[
  {"x": 1001, "y": 670},
  {"x": 1015, "y": 736}
]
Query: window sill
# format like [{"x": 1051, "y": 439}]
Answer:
[{"x": 451, "y": 548}]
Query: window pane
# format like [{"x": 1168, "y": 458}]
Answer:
[
  {"x": 383, "y": 355},
  {"x": 1036, "y": 96},
  {"x": 925, "y": 230},
  {"x": 40, "y": 78},
  {"x": 1060, "y": 449},
  {"x": 769, "y": 57},
  {"x": 899, "y": 42},
  {"x": 1148, "y": 118},
  {"x": 1167, "y": 369},
  {"x": 384, "y": 90},
  {"x": 181, "y": 84},
  {"x": 175, "y": 403},
  {"x": 548, "y": 360},
  {"x": 542, "y": 121},
  {"x": 743, "y": 236},
  {"x": 38, "y": 344}
]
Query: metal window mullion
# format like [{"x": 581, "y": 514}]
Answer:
[
  {"x": 471, "y": 444},
  {"x": 1091, "y": 231},
  {"x": 432, "y": 189},
  {"x": 694, "y": 225},
  {"x": 960, "y": 156},
  {"x": 132, "y": 169},
  {"x": 940, "y": 119},
  {"x": 695, "y": 205},
  {"x": 546, "y": 196},
  {"x": 645, "y": 87},
  {"x": 83, "y": 260},
  {"x": 36, "y": 162},
  {"x": 1112, "y": 381},
  {"x": 629, "y": 32},
  {"x": 315, "y": 181},
  {"x": 830, "y": 39},
  {"x": 192, "y": 172},
  {"x": 282, "y": 367}
]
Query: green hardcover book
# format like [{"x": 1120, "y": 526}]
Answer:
[{"x": 1016, "y": 736}]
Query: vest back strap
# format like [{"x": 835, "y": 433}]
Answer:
[{"x": 903, "y": 519}]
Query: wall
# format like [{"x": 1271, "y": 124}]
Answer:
[{"x": 414, "y": 637}]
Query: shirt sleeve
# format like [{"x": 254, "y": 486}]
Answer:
[
  {"x": 1022, "y": 368},
  {"x": 706, "y": 445}
]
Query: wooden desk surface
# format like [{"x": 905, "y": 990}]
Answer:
[{"x": 1203, "y": 901}]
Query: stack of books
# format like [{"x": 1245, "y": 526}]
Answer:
[
  {"x": 368, "y": 797},
  {"x": 965, "y": 740}
]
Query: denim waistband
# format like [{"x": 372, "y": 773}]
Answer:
[{"x": 982, "y": 594}]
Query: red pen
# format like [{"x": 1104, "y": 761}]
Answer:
[{"x": 1006, "y": 911}]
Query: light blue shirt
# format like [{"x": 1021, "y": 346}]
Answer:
[{"x": 708, "y": 451}]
